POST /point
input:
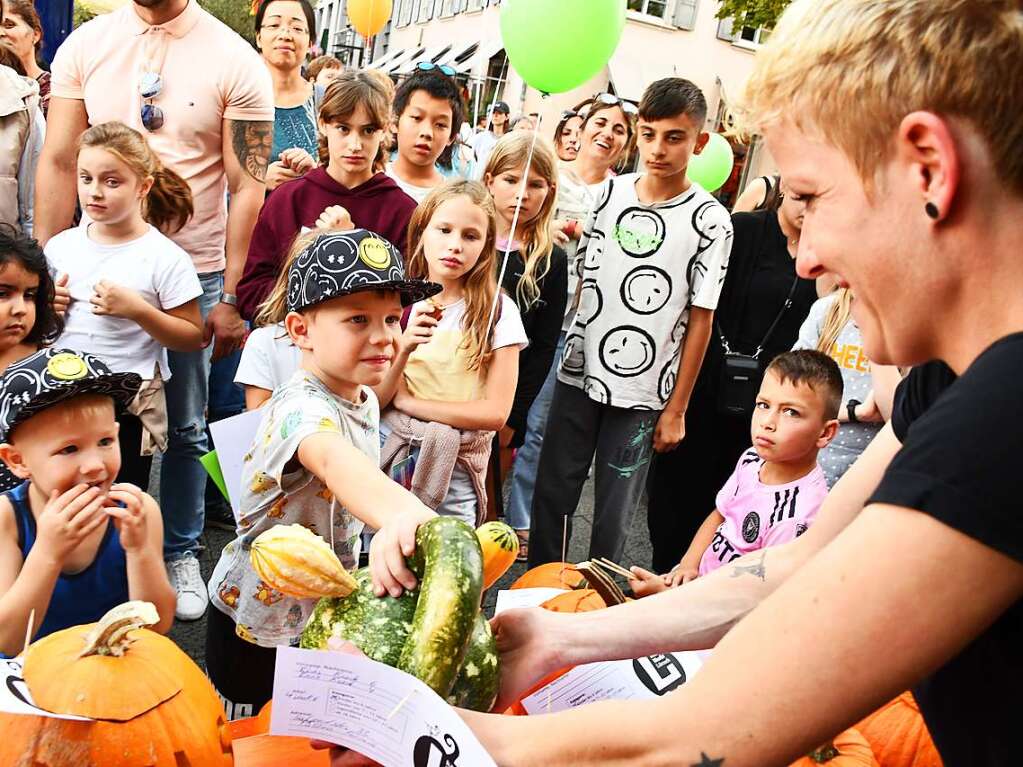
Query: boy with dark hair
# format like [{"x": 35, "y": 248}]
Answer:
[
  {"x": 428, "y": 111},
  {"x": 777, "y": 487},
  {"x": 652, "y": 261}
]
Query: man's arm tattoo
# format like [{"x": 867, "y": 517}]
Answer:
[
  {"x": 706, "y": 761},
  {"x": 253, "y": 141},
  {"x": 757, "y": 569}
]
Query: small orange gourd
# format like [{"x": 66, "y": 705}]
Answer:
[
  {"x": 152, "y": 705},
  {"x": 500, "y": 547}
]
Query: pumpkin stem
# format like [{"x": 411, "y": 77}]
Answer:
[
  {"x": 825, "y": 753},
  {"x": 110, "y": 635}
]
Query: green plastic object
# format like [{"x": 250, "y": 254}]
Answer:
[
  {"x": 211, "y": 463},
  {"x": 558, "y": 45},
  {"x": 712, "y": 167}
]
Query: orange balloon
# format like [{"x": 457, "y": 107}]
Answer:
[{"x": 368, "y": 17}]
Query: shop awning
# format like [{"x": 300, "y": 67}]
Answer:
[
  {"x": 432, "y": 55},
  {"x": 630, "y": 77}
]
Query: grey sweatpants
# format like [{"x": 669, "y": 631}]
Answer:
[{"x": 579, "y": 429}]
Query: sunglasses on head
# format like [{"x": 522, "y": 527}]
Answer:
[
  {"x": 615, "y": 101},
  {"x": 150, "y": 87},
  {"x": 429, "y": 66}
]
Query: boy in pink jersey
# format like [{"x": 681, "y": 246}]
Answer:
[{"x": 777, "y": 486}]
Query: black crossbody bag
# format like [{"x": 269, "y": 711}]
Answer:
[{"x": 741, "y": 373}]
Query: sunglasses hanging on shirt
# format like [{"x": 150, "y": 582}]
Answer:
[{"x": 151, "y": 86}]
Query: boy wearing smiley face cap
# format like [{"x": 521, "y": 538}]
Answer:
[
  {"x": 651, "y": 262},
  {"x": 315, "y": 459}
]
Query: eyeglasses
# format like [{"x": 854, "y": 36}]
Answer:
[
  {"x": 429, "y": 66},
  {"x": 150, "y": 87},
  {"x": 276, "y": 29}
]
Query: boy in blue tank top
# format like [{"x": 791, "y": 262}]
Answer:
[{"x": 72, "y": 543}]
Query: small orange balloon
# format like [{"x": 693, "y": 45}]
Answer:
[{"x": 368, "y": 17}]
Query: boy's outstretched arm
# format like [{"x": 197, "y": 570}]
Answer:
[
  {"x": 695, "y": 616},
  {"x": 671, "y": 426},
  {"x": 365, "y": 491},
  {"x": 816, "y": 656}
]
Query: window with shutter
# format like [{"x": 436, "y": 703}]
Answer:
[
  {"x": 725, "y": 30},
  {"x": 685, "y": 13}
]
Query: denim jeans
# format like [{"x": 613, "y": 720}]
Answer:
[
  {"x": 182, "y": 477},
  {"x": 527, "y": 457}
]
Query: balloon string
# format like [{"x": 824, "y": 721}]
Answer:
[{"x": 515, "y": 221}]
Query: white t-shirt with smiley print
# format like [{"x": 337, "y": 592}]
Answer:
[{"x": 643, "y": 266}]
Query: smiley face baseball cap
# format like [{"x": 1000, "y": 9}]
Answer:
[
  {"x": 53, "y": 375},
  {"x": 336, "y": 264}
]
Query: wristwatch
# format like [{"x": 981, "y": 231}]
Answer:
[
  {"x": 229, "y": 298},
  {"x": 850, "y": 409}
]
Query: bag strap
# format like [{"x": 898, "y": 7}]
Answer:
[{"x": 770, "y": 331}]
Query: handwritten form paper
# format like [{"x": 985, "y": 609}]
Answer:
[
  {"x": 512, "y": 598},
  {"x": 351, "y": 700},
  {"x": 648, "y": 677}
]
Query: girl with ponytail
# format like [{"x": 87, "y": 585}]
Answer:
[{"x": 134, "y": 293}]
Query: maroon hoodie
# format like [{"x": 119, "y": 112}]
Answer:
[{"x": 378, "y": 205}]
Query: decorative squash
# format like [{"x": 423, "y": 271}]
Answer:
[
  {"x": 297, "y": 562},
  {"x": 500, "y": 547},
  {"x": 898, "y": 735},
  {"x": 152, "y": 705},
  {"x": 848, "y": 749},
  {"x": 553, "y": 575},
  {"x": 426, "y": 632}
]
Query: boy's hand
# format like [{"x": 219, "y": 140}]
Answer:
[
  {"x": 683, "y": 572},
  {"x": 61, "y": 295},
  {"x": 644, "y": 583},
  {"x": 335, "y": 217},
  {"x": 68, "y": 519},
  {"x": 113, "y": 300},
  {"x": 391, "y": 544},
  {"x": 418, "y": 331},
  {"x": 670, "y": 430},
  {"x": 130, "y": 520}
]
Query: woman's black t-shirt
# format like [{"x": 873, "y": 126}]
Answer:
[{"x": 959, "y": 462}]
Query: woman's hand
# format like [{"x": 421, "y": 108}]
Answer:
[
  {"x": 391, "y": 544},
  {"x": 112, "y": 300}
]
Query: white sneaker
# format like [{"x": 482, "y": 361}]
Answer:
[{"x": 186, "y": 580}]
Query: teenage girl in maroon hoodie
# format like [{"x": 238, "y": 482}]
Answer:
[{"x": 353, "y": 117}]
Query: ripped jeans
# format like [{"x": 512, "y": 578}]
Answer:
[{"x": 182, "y": 477}]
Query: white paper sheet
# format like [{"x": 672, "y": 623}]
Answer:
[
  {"x": 15, "y": 697},
  {"x": 648, "y": 677},
  {"x": 232, "y": 438},
  {"x": 351, "y": 700},
  {"x": 512, "y": 598}
]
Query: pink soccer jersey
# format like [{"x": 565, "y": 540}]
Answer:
[{"x": 758, "y": 515}]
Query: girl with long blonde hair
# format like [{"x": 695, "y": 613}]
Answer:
[
  {"x": 536, "y": 276},
  {"x": 457, "y": 362},
  {"x": 134, "y": 293}
]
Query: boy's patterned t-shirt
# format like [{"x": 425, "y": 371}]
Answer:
[
  {"x": 278, "y": 490},
  {"x": 642, "y": 267},
  {"x": 758, "y": 515}
]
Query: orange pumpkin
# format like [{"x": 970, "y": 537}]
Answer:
[
  {"x": 848, "y": 749},
  {"x": 898, "y": 735},
  {"x": 152, "y": 705},
  {"x": 264, "y": 717},
  {"x": 553, "y": 575}
]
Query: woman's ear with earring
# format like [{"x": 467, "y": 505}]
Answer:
[{"x": 932, "y": 210}]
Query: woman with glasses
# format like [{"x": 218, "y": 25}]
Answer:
[
  {"x": 606, "y": 131},
  {"x": 284, "y": 31}
]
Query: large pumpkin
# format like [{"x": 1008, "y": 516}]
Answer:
[
  {"x": 152, "y": 705},
  {"x": 553, "y": 575},
  {"x": 898, "y": 735},
  {"x": 848, "y": 749}
]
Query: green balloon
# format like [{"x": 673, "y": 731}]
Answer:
[
  {"x": 712, "y": 167},
  {"x": 557, "y": 45}
]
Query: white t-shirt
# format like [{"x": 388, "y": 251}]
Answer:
[
  {"x": 644, "y": 266},
  {"x": 438, "y": 370},
  {"x": 152, "y": 265},
  {"x": 576, "y": 200},
  {"x": 417, "y": 193},
  {"x": 482, "y": 145},
  {"x": 269, "y": 358}
]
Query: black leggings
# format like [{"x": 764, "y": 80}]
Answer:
[
  {"x": 241, "y": 672},
  {"x": 134, "y": 466}
]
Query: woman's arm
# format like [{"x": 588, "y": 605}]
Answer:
[
  {"x": 487, "y": 414},
  {"x": 886, "y": 381}
]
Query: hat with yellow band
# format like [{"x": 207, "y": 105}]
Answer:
[
  {"x": 338, "y": 264},
  {"x": 53, "y": 375}
]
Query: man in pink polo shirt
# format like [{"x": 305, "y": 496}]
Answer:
[{"x": 204, "y": 100}]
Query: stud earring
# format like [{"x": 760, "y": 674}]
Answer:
[{"x": 932, "y": 210}]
